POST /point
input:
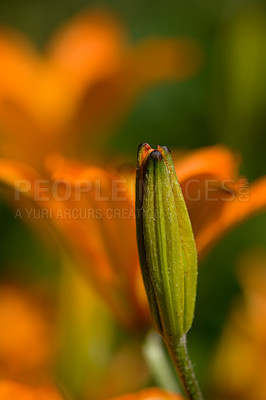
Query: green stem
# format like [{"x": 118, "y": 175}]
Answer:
[{"x": 185, "y": 370}]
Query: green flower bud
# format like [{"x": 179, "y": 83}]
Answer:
[{"x": 167, "y": 250}]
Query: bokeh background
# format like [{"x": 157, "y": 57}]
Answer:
[{"x": 224, "y": 103}]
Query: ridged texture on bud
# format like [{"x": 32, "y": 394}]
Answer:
[{"x": 167, "y": 250}]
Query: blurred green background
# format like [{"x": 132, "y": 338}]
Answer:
[{"x": 225, "y": 103}]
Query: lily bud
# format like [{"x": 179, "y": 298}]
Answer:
[{"x": 166, "y": 245}]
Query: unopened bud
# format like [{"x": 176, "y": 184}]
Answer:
[{"x": 167, "y": 250}]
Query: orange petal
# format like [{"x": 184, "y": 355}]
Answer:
[
  {"x": 231, "y": 213},
  {"x": 216, "y": 162},
  {"x": 216, "y": 198},
  {"x": 157, "y": 59},
  {"x": 25, "y": 190},
  {"x": 31, "y": 198},
  {"x": 101, "y": 233},
  {"x": 18, "y": 176},
  {"x": 34, "y": 100},
  {"x": 150, "y": 394},
  {"x": 17, "y": 67},
  {"x": 88, "y": 48},
  {"x": 17, "y": 80},
  {"x": 15, "y": 391}
]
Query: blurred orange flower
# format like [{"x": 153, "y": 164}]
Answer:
[
  {"x": 10, "y": 390},
  {"x": 150, "y": 394},
  {"x": 217, "y": 197},
  {"x": 14, "y": 391},
  {"x": 97, "y": 219},
  {"x": 27, "y": 334},
  {"x": 84, "y": 81},
  {"x": 240, "y": 364}
]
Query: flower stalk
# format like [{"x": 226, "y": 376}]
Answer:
[
  {"x": 168, "y": 255},
  {"x": 180, "y": 356}
]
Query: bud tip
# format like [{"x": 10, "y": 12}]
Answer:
[
  {"x": 166, "y": 149},
  {"x": 156, "y": 155}
]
